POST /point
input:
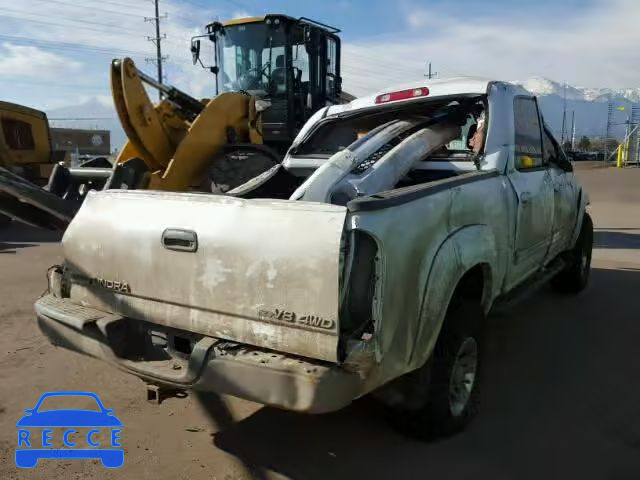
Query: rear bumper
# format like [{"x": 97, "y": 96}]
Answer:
[{"x": 259, "y": 375}]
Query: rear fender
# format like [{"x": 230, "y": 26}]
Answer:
[{"x": 460, "y": 252}]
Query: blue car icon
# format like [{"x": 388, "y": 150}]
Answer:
[{"x": 68, "y": 418}]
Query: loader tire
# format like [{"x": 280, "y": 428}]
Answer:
[
  {"x": 575, "y": 277},
  {"x": 230, "y": 170},
  {"x": 450, "y": 379}
]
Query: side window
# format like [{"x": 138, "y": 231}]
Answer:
[
  {"x": 301, "y": 62},
  {"x": 528, "y": 141},
  {"x": 17, "y": 134}
]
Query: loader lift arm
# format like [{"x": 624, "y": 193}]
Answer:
[{"x": 179, "y": 138}]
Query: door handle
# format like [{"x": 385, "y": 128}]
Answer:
[
  {"x": 180, "y": 240},
  {"x": 525, "y": 198}
]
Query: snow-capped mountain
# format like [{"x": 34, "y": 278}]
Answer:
[
  {"x": 546, "y": 86},
  {"x": 605, "y": 94},
  {"x": 100, "y": 113},
  {"x": 589, "y": 105}
]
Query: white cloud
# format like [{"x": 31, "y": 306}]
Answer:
[
  {"x": 594, "y": 46},
  {"x": 105, "y": 101},
  {"x": 240, "y": 14},
  {"x": 33, "y": 62}
]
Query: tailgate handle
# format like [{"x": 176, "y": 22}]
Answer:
[{"x": 180, "y": 240}]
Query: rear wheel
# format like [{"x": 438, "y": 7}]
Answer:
[
  {"x": 449, "y": 381},
  {"x": 575, "y": 277}
]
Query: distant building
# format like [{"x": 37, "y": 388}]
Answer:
[{"x": 81, "y": 141}]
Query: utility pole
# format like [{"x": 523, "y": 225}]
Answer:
[
  {"x": 635, "y": 120},
  {"x": 429, "y": 73},
  {"x": 573, "y": 130},
  {"x": 608, "y": 133},
  {"x": 157, "y": 41},
  {"x": 564, "y": 113},
  {"x": 625, "y": 144}
]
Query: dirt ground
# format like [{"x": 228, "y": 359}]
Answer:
[{"x": 561, "y": 397}]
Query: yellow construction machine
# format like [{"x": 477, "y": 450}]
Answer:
[
  {"x": 24, "y": 141},
  {"x": 26, "y": 159},
  {"x": 270, "y": 73}
]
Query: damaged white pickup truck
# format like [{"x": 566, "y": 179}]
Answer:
[{"x": 365, "y": 262}]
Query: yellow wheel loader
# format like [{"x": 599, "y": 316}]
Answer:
[
  {"x": 270, "y": 75},
  {"x": 26, "y": 163}
]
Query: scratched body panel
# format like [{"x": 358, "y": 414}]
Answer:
[{"x": 265, "y": 271}]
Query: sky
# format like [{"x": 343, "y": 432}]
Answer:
[{"x": 56, "y": 53}]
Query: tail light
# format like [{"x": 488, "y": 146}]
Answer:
[
  {"x": 402, "y": 95},
  {"x": 359, "y": 278}
]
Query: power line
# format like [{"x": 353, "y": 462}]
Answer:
[
  {"x": 63, "y": 86},
  {"x": 77, "y": 24},
  {"x": 53, "y": 45},
  {"x": 110, "y": 2},
  {"x": 71, "y": 119},
  {"x": 347, "y": 52},
  {"x": 87, "y": 7},
  {"x": 58, "y": 24},
  {"x": 231, "y": 2},
  {"x": 114, "y": 28},
  {"x": 115, "y": 12},
  {"x": 62, "y": 46}
]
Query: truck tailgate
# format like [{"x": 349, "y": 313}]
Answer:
[{"x": 262, "y": 272}]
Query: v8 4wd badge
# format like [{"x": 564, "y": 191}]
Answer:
[{"x": 280, "y": 315}]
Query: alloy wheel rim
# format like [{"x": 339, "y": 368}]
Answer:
[
  {"x": 584, "y": 262},
  {"x": 463, "y": 376}
]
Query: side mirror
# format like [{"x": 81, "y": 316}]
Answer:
[
  {"x": 563, "y": 163},
  {"x": 195, "y": 51},
  {"x": 566, "y": 165},
  {"x": 29, "y": 410}
]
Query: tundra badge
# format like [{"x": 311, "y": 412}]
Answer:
[{"x": 113, "y": 285}]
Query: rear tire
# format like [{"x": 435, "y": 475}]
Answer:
[
  {"x": 575, "y": 277},
  {"x": 452, "y": 377}
]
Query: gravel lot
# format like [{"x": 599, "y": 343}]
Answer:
[{"x": 561, "y": 398}]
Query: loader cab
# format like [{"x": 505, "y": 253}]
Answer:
[{"x": 291, "y": 63}]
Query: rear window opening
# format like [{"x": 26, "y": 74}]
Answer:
[
  {"x": 451, "y": 135},
  {"x": 334, "y": 136}
]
